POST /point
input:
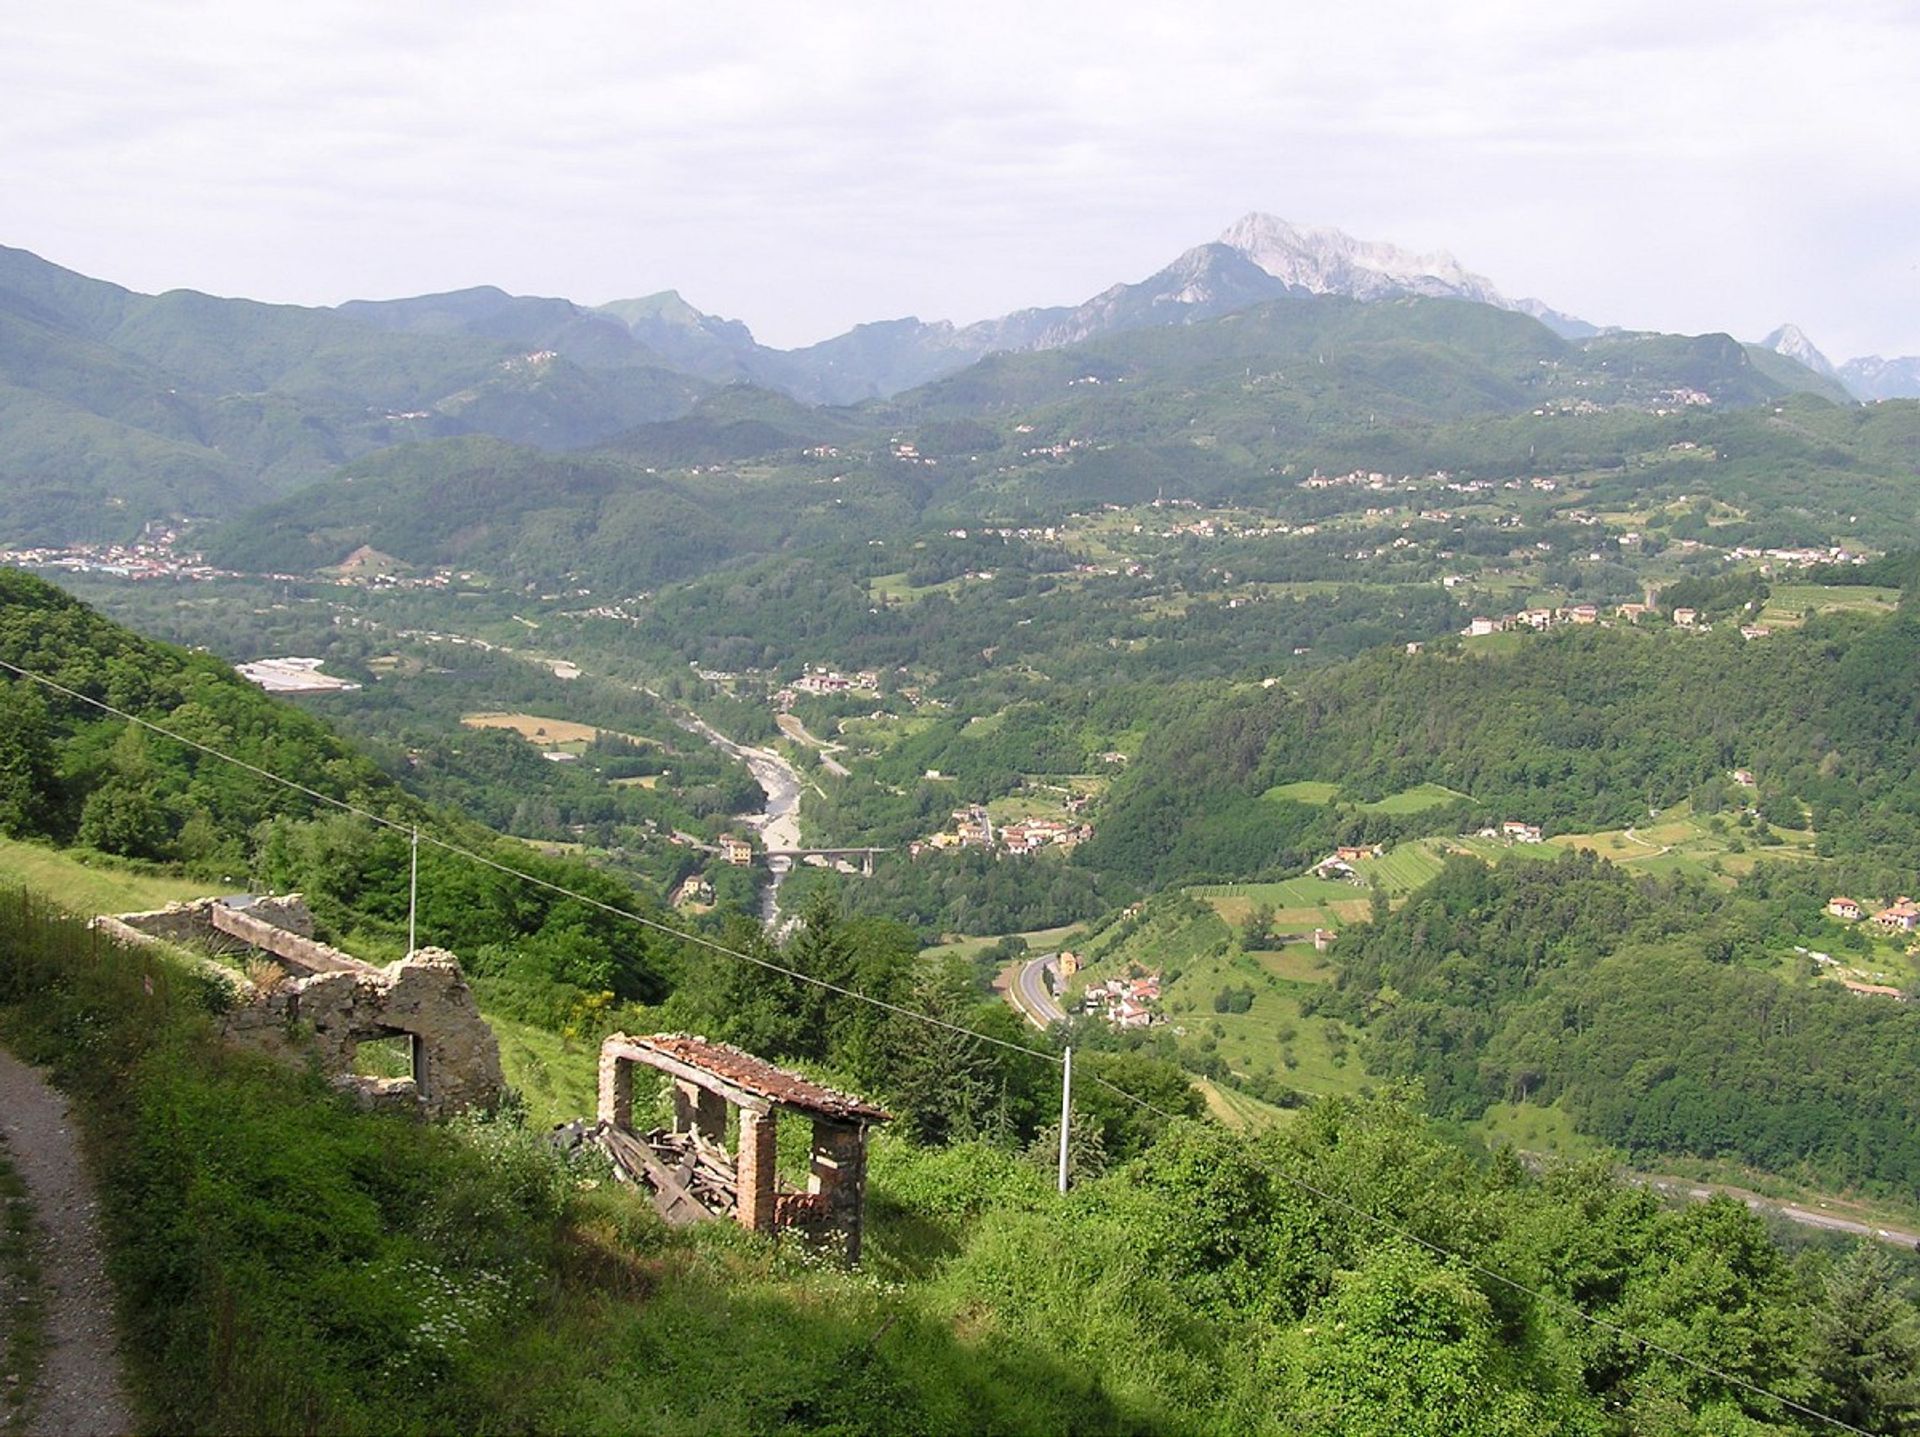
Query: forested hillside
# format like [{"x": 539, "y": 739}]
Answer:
[
  {"x": 1577, "y": 731},
  {"x": 1655, "y": 1012},
  {"x": 75, "y": 775},
  {"x": 123, "y": 408}
]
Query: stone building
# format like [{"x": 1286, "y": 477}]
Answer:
[
  {"x": 306, "y": 1002},
  {"x": 691, "y": 1171}
]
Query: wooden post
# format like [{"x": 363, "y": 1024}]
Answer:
[{"x": 1066, "y": 1113}]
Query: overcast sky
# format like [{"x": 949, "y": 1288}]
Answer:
[{"x": 807, "y": 165}]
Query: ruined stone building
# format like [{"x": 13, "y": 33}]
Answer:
[
  {"x": 304, "y": 1002},
  {"x": 691, "y": 1171}
]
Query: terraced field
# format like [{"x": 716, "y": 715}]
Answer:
[{"x": 1789, "y": 603}]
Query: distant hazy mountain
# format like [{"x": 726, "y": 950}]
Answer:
[
  {"x": 1566, "y": 326},
  {"x": 1791, "y": 340},
  {"x": 1877, "y": 378},
  {"x": 1322, "y": 260},
  {"x": 1868, "y": 378},
  {"x": 118, "y": 407},
  {"x": 1214, "y": 408},
  {"x": 1258, "y": 258},
  {"x": 874, "y": 361}
]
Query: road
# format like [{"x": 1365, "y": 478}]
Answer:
[
  {"x": 797, "y": 731},
  {"x": 1792, "y": 1212},
  {"x": 1031, "y": 993},
  {"x": 1685, "y": 1190}
]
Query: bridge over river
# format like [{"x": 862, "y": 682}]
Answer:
[{"x": 775, "y": 856}]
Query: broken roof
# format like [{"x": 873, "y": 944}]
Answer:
[{"x": 695, "y": 1058}]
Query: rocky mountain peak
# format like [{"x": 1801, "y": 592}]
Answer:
[
  {"x": 1324, "y": 260},
  {"x": 1792, "y": 341}
]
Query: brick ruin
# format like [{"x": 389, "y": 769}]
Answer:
[
  {"x": 689, "y": 1169},
  {"x": 319, "y": 1004}
]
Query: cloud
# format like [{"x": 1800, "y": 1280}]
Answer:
[{"x": 809, "y": 165}]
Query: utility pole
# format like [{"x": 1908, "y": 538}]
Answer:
[
  {"x": 1066, "y": 1114},
  {"x": 413, "y": 891}
]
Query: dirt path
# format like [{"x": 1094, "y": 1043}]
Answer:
[{"x": 81, "y": 1392}]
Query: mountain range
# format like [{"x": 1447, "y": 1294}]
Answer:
[
  {"x": 1870, "y": 378},
  {"x": 1259, "y": 257},
  {"x": 118, "y": 407}
]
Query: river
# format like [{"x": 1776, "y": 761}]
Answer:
[{"x": 779, "y": 824}]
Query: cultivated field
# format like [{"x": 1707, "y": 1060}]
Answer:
[
  {"x": 549, "y": 731},
  {"x": 1789, "y": 603}
]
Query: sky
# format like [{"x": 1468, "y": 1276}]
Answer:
[{"x": 805, "y": 166}]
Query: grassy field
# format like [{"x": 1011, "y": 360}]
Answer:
[
  {"x": 1195, "y": 950},
  {"x": 1412, "y": 800},
  {"x": 1271, "y": 1039},
  {"x": 894, "y": 588},
  {"x": 1676, "y": 841},
  {"x": 1039, "y": 940},
  {"x": 1238, "y": 1110},
  {"x": 1306, "y": 790},
  {"x": 89, "y": 885},
  {"x": 1299, "y": 904},
  {"x": 1530, "y": 1128},
  {"x": 1416, "y": 800},
  {"x": 1789, "y": 603}
]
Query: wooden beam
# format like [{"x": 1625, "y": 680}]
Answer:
[
  {"x": 676, "y": 1204},
  {"x": 700, "y": 1077}
]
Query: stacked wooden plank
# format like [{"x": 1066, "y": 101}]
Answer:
[{"x": 690, "y": 1178}]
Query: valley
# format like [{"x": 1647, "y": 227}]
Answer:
[{"x": 1425, "y": 739}]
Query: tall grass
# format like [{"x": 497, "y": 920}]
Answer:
[{"x": 286, "y": 1263}]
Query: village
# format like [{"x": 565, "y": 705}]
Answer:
[{"x": 973, "y": 828}]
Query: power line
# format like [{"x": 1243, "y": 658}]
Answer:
[
  {"x": 1548, "y": 1299},
  {"x": 1333, "y": 1199},
  {"x": 453, "y": 848}
]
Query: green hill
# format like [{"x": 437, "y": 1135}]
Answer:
[
  {"x": 1579, "y": 731},
  {"x": 145, "y": 406}
]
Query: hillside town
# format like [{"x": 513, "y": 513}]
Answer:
[{"x": 973, "y": 828}]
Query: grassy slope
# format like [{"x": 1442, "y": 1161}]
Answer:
[
  {"x": 96, "y": 884},
  {"x": 288, "y": 1263}
]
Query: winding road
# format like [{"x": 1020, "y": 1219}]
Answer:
[{"x": 1032, "y": 993}]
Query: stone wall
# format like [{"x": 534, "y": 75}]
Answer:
[
  {"x": 330, "y": 1002},
  {"x": 426, "y": 997}
]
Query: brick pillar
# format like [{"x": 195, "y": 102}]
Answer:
[
  {"x": 839, "y": 1173},
  {"x": 755, "y": 1170},
  {"x": 616, "y": 1086},
  {"x": 697, "y": 1110}
]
